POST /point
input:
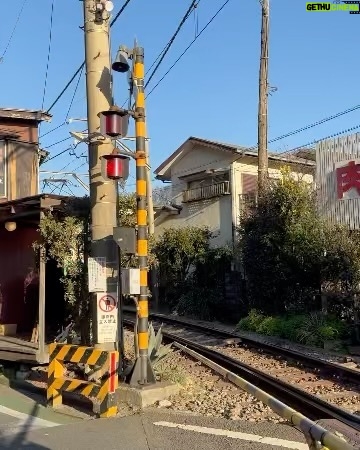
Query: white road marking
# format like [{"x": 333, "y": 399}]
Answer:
[
  {"x": 237, "y": 435},
  {"x": 27, "y": 418}
]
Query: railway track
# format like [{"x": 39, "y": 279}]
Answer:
[{"x": 281, "y": 384}]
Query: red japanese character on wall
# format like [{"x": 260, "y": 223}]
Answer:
[{"x": 347, "y": 177}]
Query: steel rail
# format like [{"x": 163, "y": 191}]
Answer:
[
  {"x": 307, "y": 404},
  {"x": 341, "y": 372}
]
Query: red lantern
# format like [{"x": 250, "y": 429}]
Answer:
[
  {"x": 114, "y": 123},
  {"x": 115, "y": 167}
]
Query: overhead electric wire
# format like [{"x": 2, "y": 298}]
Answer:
[
  {"x": 49, "y": 53},
  {"x": 13, "y": 31},
  {"x": 58, "y": 142},
  {"x": 52, "y": 129},
  {"x": 74, "y": 94},
  {"x": 58, "y": 154},
  {"x": 331, "y": 136},
  {"x": 68, "y": 111},
  {"x": 189, "y": 46},
  {"x": 66, "y": 87},
  {"x": 119, "y": 13},
  {"x": 172, "y": 39},
  {"x": 83, "y": 64},
  {"x": 315, "y": 124}
]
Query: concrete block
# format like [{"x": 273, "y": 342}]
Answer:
[{"x": 145, "y": 396}]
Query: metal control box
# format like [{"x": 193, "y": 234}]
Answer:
[{"x": 130, "y": 281}]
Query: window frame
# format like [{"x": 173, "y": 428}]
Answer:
[{"x": 3, "y": 147}]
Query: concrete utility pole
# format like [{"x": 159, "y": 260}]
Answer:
[
  {"x": 102, "y": 193},
  {"x": 263, "y": 174}
]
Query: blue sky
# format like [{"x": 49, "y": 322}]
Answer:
[{"x": 212, "y": 92}]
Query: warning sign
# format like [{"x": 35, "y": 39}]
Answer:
[
  {"x": 97, "y": 274},
  {"x": 107, "y": 303},
  {"x": 106, "y": 318}
]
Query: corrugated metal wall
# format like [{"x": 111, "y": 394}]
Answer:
[{"x": 330, "y": 155}]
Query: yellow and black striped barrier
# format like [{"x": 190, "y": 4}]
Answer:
[{"x": 103, "y": 392}]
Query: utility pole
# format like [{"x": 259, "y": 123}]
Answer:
[
  {"x": 102, "y": 193},
  {"x": 263, "y": 175}
]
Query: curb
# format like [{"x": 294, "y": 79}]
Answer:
[{"x": 70, "y": 399}]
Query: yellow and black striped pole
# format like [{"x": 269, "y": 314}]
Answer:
[{"x": 143, "y": 373}]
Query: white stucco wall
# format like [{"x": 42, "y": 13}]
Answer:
[
  {"x": 216, "y": 213},
  {"x": 248, "y": 165},
  {"x": 219, "y": 214}
]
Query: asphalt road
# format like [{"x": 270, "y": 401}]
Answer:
[{"x": 25, "y": 423}]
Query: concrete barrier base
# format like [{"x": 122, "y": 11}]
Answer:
[{"x": 145, "y": 396}]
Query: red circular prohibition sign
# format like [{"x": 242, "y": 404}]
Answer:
[{"x": 107, "y": 303}]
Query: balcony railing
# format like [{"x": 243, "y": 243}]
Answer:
[{"x": 206, "y": 192}]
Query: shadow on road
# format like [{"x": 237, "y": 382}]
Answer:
[{"x": 19, "y": 439}]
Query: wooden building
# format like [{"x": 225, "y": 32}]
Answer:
[
  {"x": 22, "y": 275},
  {"x": 19, "y": 152}
]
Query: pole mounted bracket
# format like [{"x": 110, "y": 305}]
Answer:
[{"x": 87, "y": 138}]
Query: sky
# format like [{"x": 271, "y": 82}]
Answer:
[{"x": 212, "y": 92}]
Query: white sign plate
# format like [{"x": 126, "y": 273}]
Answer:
[
  {"x": 97, "y": 274},
  {"x": 106, "y": 317}
]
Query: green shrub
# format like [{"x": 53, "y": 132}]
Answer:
[
  {"x": 290, "y": 327},
  {"x": 270, "y": 326},
  {"x": 252, "y": 321},
  {"x": 199, "y": 302},
  {"x": 313, "y": 329}
]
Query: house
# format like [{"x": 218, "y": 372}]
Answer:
[
  {"x": 19, "y": 152},
  {"x": 22, "y": 275},
  {"x": 212, "y": 181}
]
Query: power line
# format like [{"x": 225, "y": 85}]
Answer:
[
  {"x": 74, "y": 94},
  {"x": 315, "y": 124},
  {"x": 171, "y": 41},
  {"x": 58, "y": 154},
  {"x": 49, "y": 53},
  {"x": 83, "y": 64},
  {"x": 66, "y": 87},
  {"x": 52, "y": 129},
  {"x": 13, "y": 31},
  {"x": 331, "y": 136},
  {"x": 58, "y": 142},
  {"x": 189, "y": 46},
  {"x": 120, "y": 12},
  {"x": 68, "y": 111}
]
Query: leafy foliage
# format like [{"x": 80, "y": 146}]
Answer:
[
  {"x": 67, "y": 239},
  {"x": 157, "y": 351},
  {"x": 311, "y": 329},
  {"x": 288, "y": 252},
  {"x": 191, "y": 271},
  {"x": 66, "y": 242}
]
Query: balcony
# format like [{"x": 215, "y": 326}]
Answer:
[{"x": 206, "y": 192}]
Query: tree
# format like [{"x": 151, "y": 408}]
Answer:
[
  {"x": 66, "y": 239},
  {"x": 290, "y": 253},
  {"x": 191, "y": 271}
]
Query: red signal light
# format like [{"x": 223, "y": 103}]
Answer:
[{"x": 115, "y": 167}]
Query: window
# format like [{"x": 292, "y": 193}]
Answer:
[{"x": 2, "y": 169}]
